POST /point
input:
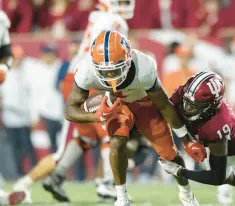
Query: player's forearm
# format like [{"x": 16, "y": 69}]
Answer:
[
  {"x": 165, "y": 106},
  {"x": 215, "y": 176},
  {"x": 205, "y": 176},
  {"x": 171, "y": 116},
  {"x": 75, "y": 114}
]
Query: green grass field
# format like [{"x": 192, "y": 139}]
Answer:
[{"x": 142, "y": 195}]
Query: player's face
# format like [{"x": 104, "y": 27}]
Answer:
[
  {"x": 193, "y": 109},
  {"x": 189, "y": 108},
  {"x": 111, "y": 74},
  {"x": 110, "y": 71}
]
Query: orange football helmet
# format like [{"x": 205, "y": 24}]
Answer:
[{"x": 111, "y": 56}]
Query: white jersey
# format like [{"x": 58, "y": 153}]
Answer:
[
  {"x": 99, "y": 21},
  {"x": 145, "y": 75},
  {"x": 4, "y": 26}
]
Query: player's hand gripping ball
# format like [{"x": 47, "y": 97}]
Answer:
[{"x": 102, "y": 103}]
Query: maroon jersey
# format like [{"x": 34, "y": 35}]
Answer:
[{"x": 219, "y": 126}]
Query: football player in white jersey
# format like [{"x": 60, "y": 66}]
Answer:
[
  {"x": 131, "y": 75},
  {"x": 110, "y": 16},
  {"x": 5, "y": 64}
]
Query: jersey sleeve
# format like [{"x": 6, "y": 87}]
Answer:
[
  {"x": 81, "y": 78},
  {"x": 147, "y": 67}
]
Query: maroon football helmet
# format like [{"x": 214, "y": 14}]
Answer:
[{"x": 202, "y": 96}]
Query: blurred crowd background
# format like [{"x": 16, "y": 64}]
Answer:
[{"x": 184, "y": 36}]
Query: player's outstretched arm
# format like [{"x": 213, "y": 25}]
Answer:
[
  {"x": 164, "y": 105},
  {"x": 218, "y": 163},
  {"x": 73, "y": 111}
]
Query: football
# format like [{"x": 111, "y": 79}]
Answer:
[{"x": 93, "y": 102}]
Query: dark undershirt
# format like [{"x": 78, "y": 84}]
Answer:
[
  {"x": 215, "y": 176},
  {"x": 5, "y": 51}
]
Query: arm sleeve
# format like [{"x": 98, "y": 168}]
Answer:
[
  {"x": 148, "y": 72},
  {"x": 157, "y": 84},
  {"x": 215, "y": 176},
  {"x": 81, "y": 77}
]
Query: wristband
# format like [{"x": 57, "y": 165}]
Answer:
[{"x": 181, "y": 132}]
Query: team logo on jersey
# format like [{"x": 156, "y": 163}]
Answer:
[
  {"x": 214, "y": 86},
  {"x": 125, "y": 44}
]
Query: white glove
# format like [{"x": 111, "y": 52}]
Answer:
[{"x": 169, "y": 167}]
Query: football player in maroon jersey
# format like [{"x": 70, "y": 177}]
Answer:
[{"x": 209, "y": 120}]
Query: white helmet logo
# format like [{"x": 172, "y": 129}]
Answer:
[{"x": 214, "y": 86}]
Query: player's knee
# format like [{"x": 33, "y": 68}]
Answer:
[
  {"x": 168, "y": 154},
  {"x": 120, "y": 123}
]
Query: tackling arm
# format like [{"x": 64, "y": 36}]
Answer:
[
  {"x": 73, "y": 111},
  {"x": 218, "y": 163},
  {"x": 164, "y": 105}
]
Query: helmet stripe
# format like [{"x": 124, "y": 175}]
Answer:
[
  {"x": 197, "y": 81},
  {"x": 197, "y": 76},
  {"x": 106, "y": 46}
]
